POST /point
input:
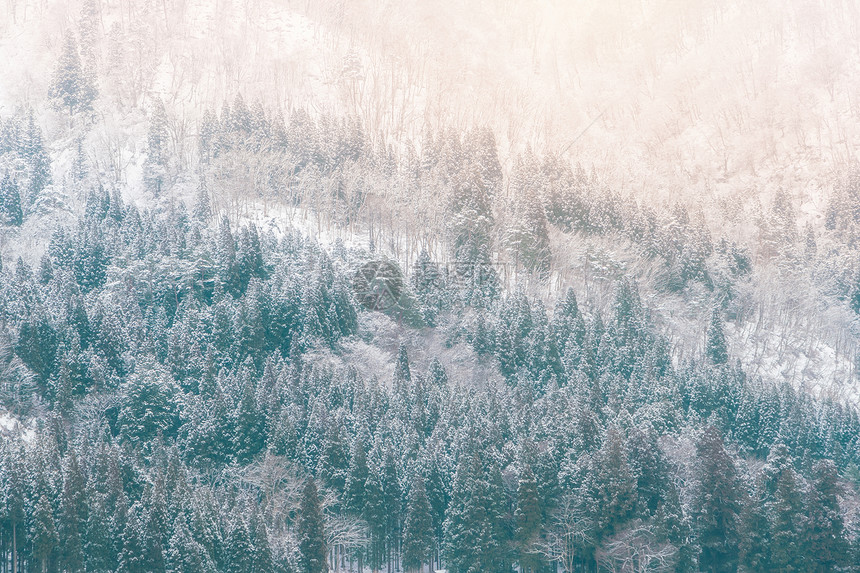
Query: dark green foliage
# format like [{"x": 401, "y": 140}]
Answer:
[
  {"x": 716, "y": 504},
  {"x": 417, "y": 527},
  {"x": 311, "y": 531},
  {"x": 10, "y": 202},
  {"x": 239, "y": 553},
  {"x": 528, "y": 521},
  {"x": 148, "y": 407},
  {"x": 824, "y": 541},
  {"x": 716, "y": 343}
]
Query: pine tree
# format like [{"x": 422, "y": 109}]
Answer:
[
  {"x": 356, "y": 477},
  {"x": 825, "y": 544},
  {"x": 375, "y": 514},
  {"x": 207, "y": 133},
  {"x": 184, "y": 554},
  {"x": 528, "y": 521},
  {"x": 249, "y": 437},
  {"x": 332, "y": 467},
  {"x": 611, "y": 485},
  {"x": 262, "y": 559},
  {"x": 239, "y": 556},
  {"x": 417, "y": 527},
  {"x": 32, "y": 150},
  {"x": 10, "y": 202},
  {"x": 202, "y": 205},
  {"x": 391, "y": 501},
  {"x": 716, "y": 349},
  {"x": 131, "y": 558},
  {"x": 755, "y": 534},
  {"x": 98, "y": 546},
  {"x": 73, "y": 516},
  {"x": 70, "y": 87},
  {"x": 43, "y": 532},
  {"x": 786, "y": 530},
  {"x": 716, "y": 505},
  {"x": 402, "y": 375},
  {"x": 79, "y": 165},
  {"x": 311, "y": 531},
  {"x": 155, "y": 168}
]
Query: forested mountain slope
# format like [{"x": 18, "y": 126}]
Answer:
[{"x": 477, "y": 286}]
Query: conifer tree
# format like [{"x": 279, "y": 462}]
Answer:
[
  {"x": 417, "y": 528},
  {"x": 391, "y": 502},
  {"x": 311, "y": 531},
  {"x": 786, "y": 530},
  {"x": 202, "y": 205},
  {"x": 32, "y": 150},
  {"x": 239, "y": 554},
  {"x": 716, "y": 345},
  {"x": 10, "y": 202},
  {"x": 262, "y": 558},
  {"x": 402, "y": 375},
  {"x": 73, "y": 516},
  {"x": 825, "y": 546},
  {"x": 716, "y": 505},
  {"x": 356, "y": 477},
  {"x": 528, "y": 521},
  {"x": 184, "y": 554},
  {"x": 70, "y": 87},
  {"x": 131, "y": 558},
  {"x": 43, "y": 532},
  {"x": 155, "y": 168}
]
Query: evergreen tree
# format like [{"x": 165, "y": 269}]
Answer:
[
  {"x": 332, "y": 467},
  {"x": 611, "y": 488},
  {"x": 417, "y": 527},
  {"x": 184, "y": 554},
  {"x": 70, "y": 87},
  {"x": 249, "y": 428},
  {"x": 786, "y": 529},
  {"x": 716, "y": 345},
  {"x": 356, "y": 477},
  {"x": 73, "y": 516},
  {"x": 10, "y": 202},
  {"x": 755, "y": 534},
  {"x": 43, "y": 532},
  {"x": 239, "y": 556},
  {"x": 391, "y": 502},
  {"x": 825, "y": 546},
  {"x": 202, "y": 205},
  {"x": 402, "y": 375},
  {"x": 155, "y": 168},
  {"x": 131, "y": 558},
  {"x": 311, "y": 531},
  {"x": 262, "y": 559},
  {"x": 528, "y": 521},
  {"x": 32, "y": 150},
  {"x": 98, "y": 546},
  {"x": 716, "y": 505}
]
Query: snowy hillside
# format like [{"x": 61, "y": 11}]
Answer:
[{"x": 501, "y": 286}]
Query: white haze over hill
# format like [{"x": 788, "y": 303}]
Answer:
[{"x": 716, "y": 104}]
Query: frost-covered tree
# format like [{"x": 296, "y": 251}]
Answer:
[
  {"x": 70, "y": 87},
  {"x": 10, "y": 202},
  {"x": 310, "y": 531},
  {"x": 155, "y": 167},
  {"x": 417, "y": 528},
  {"x": 715, "y": 348}
]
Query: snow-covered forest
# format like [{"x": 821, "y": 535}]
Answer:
[{"x": 488, "y": 286}]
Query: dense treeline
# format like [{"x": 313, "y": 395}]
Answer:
[
  {"x": 453, "y": 183},
  {"x": 197, "y": 411}
]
